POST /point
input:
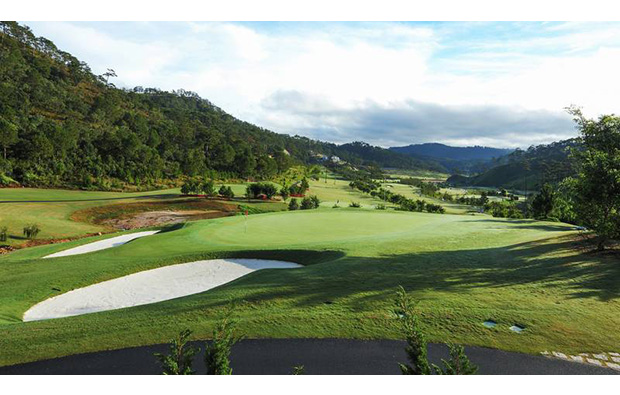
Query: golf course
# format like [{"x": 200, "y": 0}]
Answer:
[{"x": 461, "y": 269}]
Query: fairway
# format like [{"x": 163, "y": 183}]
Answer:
[{"x": 463, "y": 270}]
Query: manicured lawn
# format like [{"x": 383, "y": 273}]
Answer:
[{"x": 462, "y": 270}]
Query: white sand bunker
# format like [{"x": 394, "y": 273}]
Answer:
[
  {"x": 102, "y": 244},
  {"x": 150, "y": 286}
]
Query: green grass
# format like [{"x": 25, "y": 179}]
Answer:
[
  {"x": 462, "y": 270},
  {"x": 51, "y": 209}
]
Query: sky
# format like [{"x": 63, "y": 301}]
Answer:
[{"x": 499, "y": 84}]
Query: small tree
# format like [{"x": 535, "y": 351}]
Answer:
[
  {"x": 222, "y": 191},
  {"x": 228, "y": 193},
  {"x": 293, "y": 205},
  {"x": 4, "y": 233},
  {"x": 299, "y": 370},
  {"x": 31, "y": 231},
  {"x": 315, "y": 201},
  {"x": 416, "y": 342},
  {"x": 306, "y": 204},
  {"x": 217, "y": 352},
  {"x": 181, "y": 355},
  {"x": 543, "y": 202},
  {"x": 208, "y": 188},
  {"x": 417, "y": 347},
  {"x": 458, "y": 363}
]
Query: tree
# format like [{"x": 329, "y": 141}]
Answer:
[
  {"x": 416, "y": 341},
  {"x": 417, "y": 347},
  {"x": 458, "y": 362},
  {"x": 4, "y": 233},
  {"x": 217, "y": 352},
  {"x": 31, "y": 231},
  {"x": 226, "y": 192},
  {"x": 8, "y": 134},
  {"x": 299, "y": 370},
  {"x": 597, "y": 184},
  {"x": 293, "y": 205},
  {"x": 208, "y": 188},
  {"x": 181, "y": 355},
  {"x": 543, "y": 202}
]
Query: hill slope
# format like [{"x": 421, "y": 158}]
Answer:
[
  {"x": 526, "y": 170},
  {"x": 61, "y": 125}
]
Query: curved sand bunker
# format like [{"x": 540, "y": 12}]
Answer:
[
  {"x": 150, "y": 286},
  {"x": 102, "y": 244}
]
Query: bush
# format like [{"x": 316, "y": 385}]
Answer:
[
  {"x": 355, "y": 205},
  {"x": 226, "y": 192},
  {"x": 4, "y": 233},
  {"x": 181, "y": 356},
  {"x": 293, "y": 205},
  {"x": 217, "y": 352},
  {"x": 284, "y": 192},
  {"x": 191, "y": 187},
  {"x": 31, "y": 231},
  {"x": 208, "y": 188},
  {"x": 380, "y": 206},
  {"x": 261, "y": 188}
]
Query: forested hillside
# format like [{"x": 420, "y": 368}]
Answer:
[
  {"x": 526, "y": 169},
  {"x": 61, "y": 125}
]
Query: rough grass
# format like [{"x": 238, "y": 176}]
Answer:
[{"x": 462, "y": 270}]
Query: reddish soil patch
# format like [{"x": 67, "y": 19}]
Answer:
[{"x": 154, "y": 213}]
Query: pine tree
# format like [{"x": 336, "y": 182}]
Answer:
[
  {"x": 416, "y": 342},
  {"x": 217, "y": 352},
  {"x": 458, "y": 363},
  {"x": 180, "y": 357}
]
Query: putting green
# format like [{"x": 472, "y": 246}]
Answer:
[{"x": 462, "y": 269}]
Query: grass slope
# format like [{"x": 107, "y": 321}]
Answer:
[{"x": 462, "y": 270}]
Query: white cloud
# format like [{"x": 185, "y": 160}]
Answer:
[{"x": 339, "y": 81}]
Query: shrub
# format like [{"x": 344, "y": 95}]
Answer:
[
  {"x": 417, "y": 347},
  {"x": 293, "y": 205},
  {"x": 226, "y": 192},
  {"x": 261, "y": 188},
  {"x": 284, "y": 192},
  {"x": 380, "y": 206},
  {"x": 355, "y": 205},
  {"x": 4, "y": 233},
  {"x": 31, "y": 231},
  {"x": 315, "y": 200},
  {"x": 191, "y": 187},
  {"x": 306, "y": 204},
  {"x": 208, "y": 188},
  {"x": 299, "y": 370},
  {"x": 217, "y": 352},
  {"x": 180, "y": 357}
]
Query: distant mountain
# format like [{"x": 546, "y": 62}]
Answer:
[
  {"x": 466, "y": 160},
  {"x": 526, "y": 170}
]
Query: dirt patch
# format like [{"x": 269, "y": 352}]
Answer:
[
  {"x": 145, "y": 214},
  {"x": 155, "y": 218}
]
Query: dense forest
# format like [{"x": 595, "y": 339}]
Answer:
[
  {"x": 62, "y": 125},
  {"x": 526, "y": 170}
]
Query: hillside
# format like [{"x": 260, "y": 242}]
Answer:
[
  {"x": 526, "y": 170},
  {"x": 62, "y": 125},
  {"x": 456, "y": 159}
]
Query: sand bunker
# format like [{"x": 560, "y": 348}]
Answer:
[
  {"x": 150, "y": 286},
  {"x": 102, "y": 244}
]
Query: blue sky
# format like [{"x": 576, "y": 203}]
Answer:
[{"x": 388, "y": 83}]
